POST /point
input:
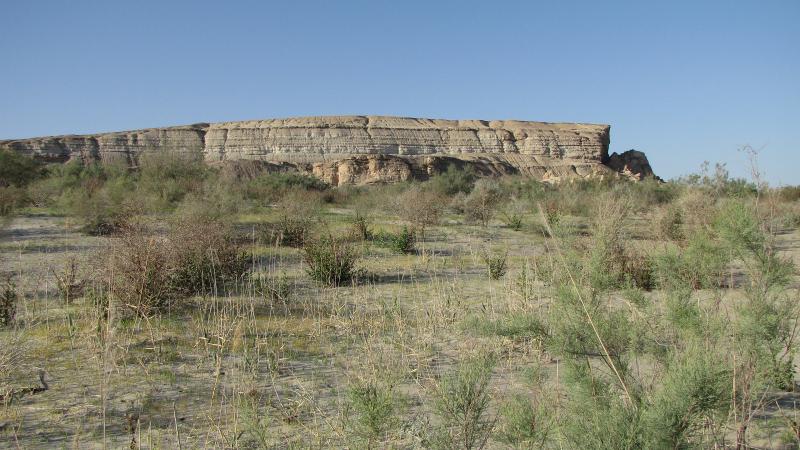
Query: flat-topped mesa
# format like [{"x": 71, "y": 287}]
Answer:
[{"x": 358, "y": 149}]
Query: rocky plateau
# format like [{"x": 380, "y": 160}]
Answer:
[{"x": 359, "y": 150}]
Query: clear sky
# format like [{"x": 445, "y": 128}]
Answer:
[{"x": 684, "y": 81}]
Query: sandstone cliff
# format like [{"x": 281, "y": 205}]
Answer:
[{"x": 363, "y": 149}]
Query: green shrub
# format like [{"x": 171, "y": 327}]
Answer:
[
  {"x": 18, "y": 170},
  {"x": 402, "y": 242},
  {"x": 462, "y": 401},
  {"x": 496, "y": 264},
  {"x": 330, "y": 262},
  {"x": 361, "y": 228},
  {"x": 651, "y": 191},
  {"x": 525, "y": 423},
  {"x": 105, "y": 212},
  {"x": 694, "y": 392},
  {"x": 167, "y": 177},
  {"x": 12, "y": 198},
  {"x": 298, "y": 211},
  {"x": 289, "y": 232},
  {"x": 700, "y": 265},
  {"x": 552, "y": 213},
  {"x": 271, "y": 187},
  {"x": 454, "y": 180},
  {"x": 137, "y": 271},
  {"x": 789, "y": 193},
  {"x": 274, "y": 288},
  {"x": 482, "y": 203},
  {"x": 516, "y": 326},
  {"x": 375, "y": 407},
  {"x": 206, "y": 257},
  {"x": 670, "y": 223},
  {"x": 8, "y": 302},
  {"x": 100, "y": 195}
]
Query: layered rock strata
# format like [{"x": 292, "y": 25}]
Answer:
[{"x": 360, "y": 149}]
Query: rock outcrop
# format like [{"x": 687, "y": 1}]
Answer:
[{"x": 362, "y": 149}]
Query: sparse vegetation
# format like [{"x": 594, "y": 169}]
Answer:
[
  {"x": 495, "y": 264},
  {"x": 194, "y": 306},
  {"x": 8, "y": 302},
  {"x": 402, "y": 242},
  {"x": 462, "y": 401},
  {"x": 330, "y": 262}
]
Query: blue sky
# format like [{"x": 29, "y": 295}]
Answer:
[{"x": 684, "y": 81}]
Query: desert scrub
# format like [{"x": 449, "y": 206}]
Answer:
[
  {"x": 481, "y": 204},
  {"x": 16, "y": 173},
  {"x": 288, "y": 232},
  {"x": 402, "y": 242},
  {"x": 298, "y": 213},
  {"x": 137, "y": 271},
  {"x": 330, "y": 262},
  {"x": 165, "y": 178},
  {"x": 8, "y": 302},
  {"x": 495, "y": 264},
  {"x": 526, "y": 422},
  {"x": 206, "y": 256},
  {"x": 513, "y": 211},
  {"x": 519, "y": 326},
  {"x": 700, "y": 264},
  {"x": 272, "y": 187},
  {"x": 69, "y": 285},
  {"x": 670, "y": 223},
  {"x": 454, "y": 180},
  {"x": 420, "y": 207},
  {"x": 361, "y": 228},
  {"x": 375, "y": 407},
  {"x": 609, "y": 263},
  {"x": 462, "y": 399},
  {"x": 12, "y": 198},
  {"x": 273, "y": 288}
]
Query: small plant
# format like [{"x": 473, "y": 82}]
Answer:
[
  {"x": 526, "y": 423},
  {"x": 462, "y": 401},
  {"x": 274, "y": 288},
  {"x": 455, "y": 180},
  {"x": 11, "y": 198},
  {"x": 361, "y": 229},
  {"x": 137, "y": 272},
  {"x": 8, "y": 302},
  {"x": 330, "y": 262},
  {"x": 513, "y": 220},
  {"x": 205, "y": 257},
  {"x": 291, "y": 232},
  {"x": 402, "y": 242},
  {"x": 481, "y": 204},
  {"x": 16, "y": 169},
  {"x": 69, "y": 286},
  {"x": 375, "y": 406},
  {"x": 298, "y": 211},
  {"x": 420, "y": 207},
  {"x": 513, "y": 212},
  {"x": 670, "y": 223},
  {"x": 496, "y": 264},
  {"x": 552, "y": 213}
]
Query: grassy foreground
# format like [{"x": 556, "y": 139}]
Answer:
[{"x": 181, "y": 306}]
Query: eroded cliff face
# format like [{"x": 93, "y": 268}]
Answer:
[{"x": 360, "y": 149}]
